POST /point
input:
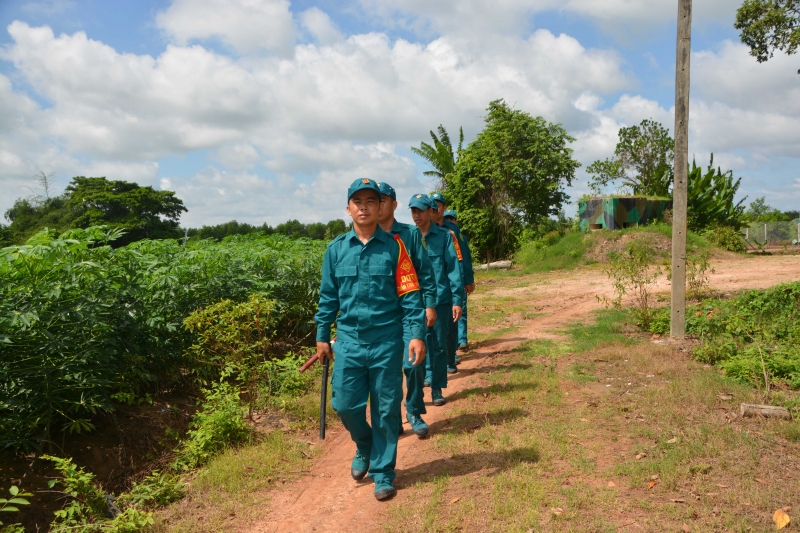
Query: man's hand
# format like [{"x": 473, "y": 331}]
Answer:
[
  {"x": 430, "y": 316},
  {"x": 456, "y": 313},
  {"x": 324, "y": 351},
  {"x": 469, "y": 288},
  {"x": 416, "y": 352}
]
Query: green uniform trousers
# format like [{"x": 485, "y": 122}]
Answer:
[
  {"x": 370, "y": 371},
  {"x": 415, "y": 380},
  {"x": 452, "y": 342},
  {"x": 436, "y": 363}
]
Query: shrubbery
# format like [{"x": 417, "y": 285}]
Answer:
[
  {"x": 738, "y": 334},
  {"x": 81, "y": 322}
]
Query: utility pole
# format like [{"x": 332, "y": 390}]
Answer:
[{"x": 680, "y": 186}]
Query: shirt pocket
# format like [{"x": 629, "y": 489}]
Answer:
[
  {"x": 346, "y": 277},
  {"x": 383, "y": 287}
]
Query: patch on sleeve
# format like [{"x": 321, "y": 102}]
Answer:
[
  {"x": 456, "y": 245},
  {"x": 406, "y": 275}
]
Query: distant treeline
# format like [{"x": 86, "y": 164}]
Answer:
[
  {"x": 293, "y": 228},
  {"x": 141, "y": 212}
]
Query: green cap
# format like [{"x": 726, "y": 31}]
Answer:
[
  {"x": 451, "y": 213},
  {"x": 420, "y": 201},
  {"x": 388, "y": 190},
  {"x": 438, "y": 197},
  {"x": 363, "y": 183}
]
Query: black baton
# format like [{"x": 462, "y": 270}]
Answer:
[{"x": 323, "y": 398}]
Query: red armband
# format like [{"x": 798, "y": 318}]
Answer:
[{"x": 405, "y": 274}]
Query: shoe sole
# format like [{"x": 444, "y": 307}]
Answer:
[
  {"x": 439, "y": 403},
  {"x": 454, "y": 371},
  {"x": 421, "y": 435}
]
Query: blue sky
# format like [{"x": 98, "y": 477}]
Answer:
[{"x": 264, "y": 110}]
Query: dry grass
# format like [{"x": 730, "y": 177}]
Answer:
[{"x": 535, "y": 445}]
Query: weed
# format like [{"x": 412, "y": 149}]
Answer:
[
  {"x": 632, "y": 274},
  {"x": 9, "y": 505},
  {"x": 156, "y": 490}
]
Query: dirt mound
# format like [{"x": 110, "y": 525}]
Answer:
[{"x": 605, "y": 246}]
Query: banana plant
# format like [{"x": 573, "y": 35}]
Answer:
[{"x": 711, "y": 198}]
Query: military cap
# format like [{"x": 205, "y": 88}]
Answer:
[
  {"x": 420, "y": 201},
  {"x": 438, "y": 197},
  {"x": 360, "y": 184},
  {"x": 388, "y": 190},
  {"x": 451, "y": 213}
]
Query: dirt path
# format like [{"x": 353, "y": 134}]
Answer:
[{"x": 327, "y": 499}]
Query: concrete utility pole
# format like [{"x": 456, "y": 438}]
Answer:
[{"x": 680, "y": 187}]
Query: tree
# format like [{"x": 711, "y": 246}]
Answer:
[
  {"x": 642, "y": 161},
  {"x": 759, "y": 211},
  {"x": 440, "y": 155},
  {"x": 711, "y": 198},
  {"x": 769, "y": 25},
  {"x": 142, "y": 212},
  {"x": 509, "y": 178}
]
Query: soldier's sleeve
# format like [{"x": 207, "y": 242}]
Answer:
[
  {"x": 422, "y": 262},
  {"x": 410, "y": 298},
  {"x": 469, "y": 273},
  {"x": 328, "y": 297},
  {"x": 453, "y": 269}
]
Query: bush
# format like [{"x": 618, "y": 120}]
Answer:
[
  {"x": 88, "y": 506},
  {"x": 726, "y": 238},
  {"x": 156, "y": 490},
  {"x": 632, "y": 274},
  {"x": 82, "y": 323},
  {"x": 553, "y": 252},
  {"x": 219, "y": 423}
]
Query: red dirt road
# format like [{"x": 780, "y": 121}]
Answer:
[{"x": 327, "y": 499}]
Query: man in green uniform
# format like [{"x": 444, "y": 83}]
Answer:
[
  {"x": 370, "y": 290},
  {"x": 411, "y": 236},
  {"x": 463, "y": 342},
  {"x": 450, "y": 291},
  {"x": 465, "y": 260}
]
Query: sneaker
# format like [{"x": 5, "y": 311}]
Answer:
[
  {"x": 427, "y": 382},
  {"x": 384, "y": 491},
  {"x": 359, "y": 467},
  {"x": 452, "y": 369},
  {"x": 458, "y": 360},
  {"x": 417, "y": 424},
  {"x": 463, "y": 347},
  {"x": 438, "y": 399}
]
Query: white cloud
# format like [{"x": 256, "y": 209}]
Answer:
[
  {"x": 319, "y": 24},
  {"x": 248, "y": 26}
]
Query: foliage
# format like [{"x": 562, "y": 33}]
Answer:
[
  {"x": 642, "y": 162},
  {"x": 316, "y": 230},
  {"x": 759, "y": 211},
  {"x": 738, "y": 333},
  {"x": 697, "y": 268},
  {"x": 89, "y": 509},
  {"x": 632, "y": 274},
  {"x": 9, "y": 505},
  {"x": 233, "y": 339},
  {"x": 711, "y": 197},
  {"x": 143, "y": 212},
  {"x": 156, "y": 490},
  {"x": 218, "y": 424},
  {"x": 726, "y": 238},
  {"x": 509, "y": 178},
  {"x": 769, "y": 25},
  {"x": 81, "y": 321},
  {"x": 440, "y": 155},
  {"x": 552, "y": 252}
]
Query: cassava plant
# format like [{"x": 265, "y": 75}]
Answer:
[{"x": 633, "y": 274}]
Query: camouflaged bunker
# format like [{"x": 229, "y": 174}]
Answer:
[{"x": 621, "y": 212}]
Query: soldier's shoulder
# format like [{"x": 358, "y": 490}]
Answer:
[{"x": 337, "y": 240}]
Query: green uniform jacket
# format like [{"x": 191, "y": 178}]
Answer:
[
  {"x": 467, "y": 272},
  {"x": 359, "y": 292},
  {"x": 419, "y": 257},
  {"x": 442, "y": 252}
]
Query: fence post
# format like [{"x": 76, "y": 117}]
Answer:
[{"x": 766, "y": 238}]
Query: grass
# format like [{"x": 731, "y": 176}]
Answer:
[
  {"x": 568, "y": 251},
  {"x": 570, "y": 435},
  {"x": 231, "y": 489}
]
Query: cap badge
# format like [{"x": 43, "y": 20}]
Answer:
[
  {"x": 364, "y": 181},
  {"x": 419, "y": 196}
]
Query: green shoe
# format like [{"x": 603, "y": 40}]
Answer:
[
  {"x": 417, "y": 424},
  {"x": 438, "y": 399},
  {"x": 458, "y": 360},
  {"x": 452, "y": 369},
  {"x": 359, "y": 467},
  {"x": 427, "y": 382},
  {"x": 384, "y": 491}
]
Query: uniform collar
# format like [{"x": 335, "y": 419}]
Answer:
[
  {"x": 397, "y": 226},
  {"x": 379, "y": 234}
]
